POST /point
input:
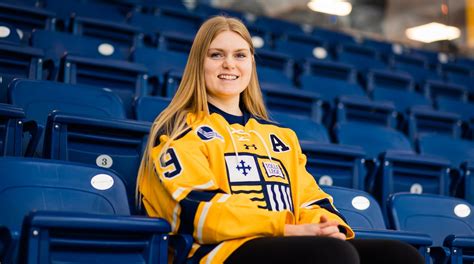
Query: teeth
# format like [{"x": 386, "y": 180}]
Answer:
[{"x": 227, "y": 77}]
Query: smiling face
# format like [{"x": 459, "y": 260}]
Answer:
[{"x": 227, "y": 69}]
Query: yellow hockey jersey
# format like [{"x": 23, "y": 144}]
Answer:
[{"x": 228, "y": 179}]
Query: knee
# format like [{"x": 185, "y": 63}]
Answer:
[{"x": 342, "y": 252}]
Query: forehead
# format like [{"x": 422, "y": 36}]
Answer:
[{"x": 229, "y": 40}]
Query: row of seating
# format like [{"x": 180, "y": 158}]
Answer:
[
  {"x": 367, "y": 156},
  {"x": 75, "y": 212}
]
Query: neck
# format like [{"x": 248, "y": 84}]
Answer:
[{"x": 230, "y": 106}]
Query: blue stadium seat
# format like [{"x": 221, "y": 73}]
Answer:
[
  {"x": 39, "y": 98},
  {"x": 436, "y": 89},
  {"x": 301, "y": 46},
  {"x": 11, "y": 130},
  {"x": 79, "y": 214},
  {"x": 10, "y": 36},
  {"x": 459, "y": 74},
  {"x": 126, "y": 79},
  {"x": 364, "y": 215},
  {"x": 330, "y": 80},
  {"x": 333, "y": 37},
  {"x": 175, "y": 41},
  {"x": 432, "y": 57},
  {"x": 362, "y": 57},
  {"x": 361, "y": 109},
  {"x": 65, "y": 10},
  {"x": 276, "y": 26},
  {"x": 396, "y": 87},
  {"x": 465, "y": 110},
  {"x": 26, "y": 19},
  {"x": 397, "y": 168},
  {"x": 153, "y": 25},
  {"x": 414, "y": 65},
  {"x": 423, "y": 120},
  {"x": 104, "y": 142},
  {"x": 386, "y": 49},
  {"x": 147, "y": 108},
  {"x": 461, "y": 154},
  {"x": 56, "y": 44},
  {"x": 274, "y": 68},
  {"x": 449, "y": 222},
  {"x": 166, "y": 66},
  {"x": 330, "y": 164},
  {"x": 18, "y": 62},
  {"x": 286, "y": 99}
]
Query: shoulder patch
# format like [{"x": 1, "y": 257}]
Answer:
[{"x": 207, "y": 133}]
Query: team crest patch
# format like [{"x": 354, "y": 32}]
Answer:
[
  {"x": 273, "y": 170},
  {"x": 206, "y": 133}
]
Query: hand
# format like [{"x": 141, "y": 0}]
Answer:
[{"x": 323, "y": 228}]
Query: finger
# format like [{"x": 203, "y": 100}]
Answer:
[
  {"x": 329, "y": 230},
  {"x": 339, "y": 235},
  {"x": 329, "y": 223}
]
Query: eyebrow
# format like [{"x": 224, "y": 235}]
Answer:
[{"x": 233, "y": 51}]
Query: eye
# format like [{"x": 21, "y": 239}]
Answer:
[
  {"x": 215, "y": 55},
  {"x": 241, "y": 55}
]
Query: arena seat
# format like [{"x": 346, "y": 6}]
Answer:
[
  {"x": 330, "y": 164},
  {"x": 364, "y": 216},
  {"x": 11, "y": 130},
  {"x": 11, "y": 35},
  {"x": 104, "y": 142},
  {"x": 18, "y": 62},
  {"x": 397, "y": 168},
  {"x": 39, "y": 98},
  {"x": 286, "y": 99},
  {"x": 447, "y": 220},
  {"x": 126, "y": 79},
  {"x": 423, "y": 120},
  {"x": 73, "y": 213},
  {"x": 56, "y": 44},
  {"x": 396, "y": 87},
  {"x": 436, "y": 89},
  {"x": 147, "y": 108},
  {"x": 415, "y": 66},
  {"x": 274, "y": 67},
  {"x": 362, "y": 57},
  {"x": 330, "y": 80},
  {"x": 465, "y": 110},
  {"x": 26, "y": 18},
  {"x": 361, "y": 109},
  {"x": 301, "y": 46},
  {"x": 166, "y": 66}
]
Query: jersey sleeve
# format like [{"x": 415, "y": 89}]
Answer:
[
  {"x": 203, "y": 210},
  {"x": 314, "y": 202}
]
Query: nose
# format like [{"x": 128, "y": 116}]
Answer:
[{"x": 228, "y": 63}]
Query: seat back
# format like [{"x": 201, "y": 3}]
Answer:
[
  {"x": 33, "y": 184},
  {"x": 373, "y": 139},
  {"x": 39, "y": 98},
  {"x": 126, "y": 79},
  {"x": 301, "y": 46},
  {"x": 437, "y": 89},
  {"x": 11, "y": 130},
  {"x": 362, "y": 57},
  {"x": 306, "y": 129},
  {"x": 455, "y": 150},
  {"x": 465, "y": 110},
  {"x": 148, "y": 108},
  {"x": 359, "y": 208},
  {"x": 114, "y": 144},
  {"x": 438, "y": 216}
]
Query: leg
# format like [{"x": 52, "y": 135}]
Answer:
[
  {"x": 305, "y": 249},
  {"x": 386, "y": 251}
]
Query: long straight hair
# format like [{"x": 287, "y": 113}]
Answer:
[{"x": 191, "y": 96}]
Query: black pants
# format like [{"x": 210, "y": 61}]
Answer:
[{"x": 321, "y": 250}]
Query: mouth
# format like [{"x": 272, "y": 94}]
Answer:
[{"x": 227, "y": 77}]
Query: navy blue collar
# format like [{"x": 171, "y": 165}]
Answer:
[{"x": 231, "y": 119}]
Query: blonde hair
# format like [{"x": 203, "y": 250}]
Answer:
[{"x": 191, "y": 96}]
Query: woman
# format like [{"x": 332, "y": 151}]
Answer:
[{"x": 217, "y": 169}]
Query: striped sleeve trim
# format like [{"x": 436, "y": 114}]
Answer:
[
  {"x": 325, "y": 204},
  {"x": 189, "y": 206}
]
